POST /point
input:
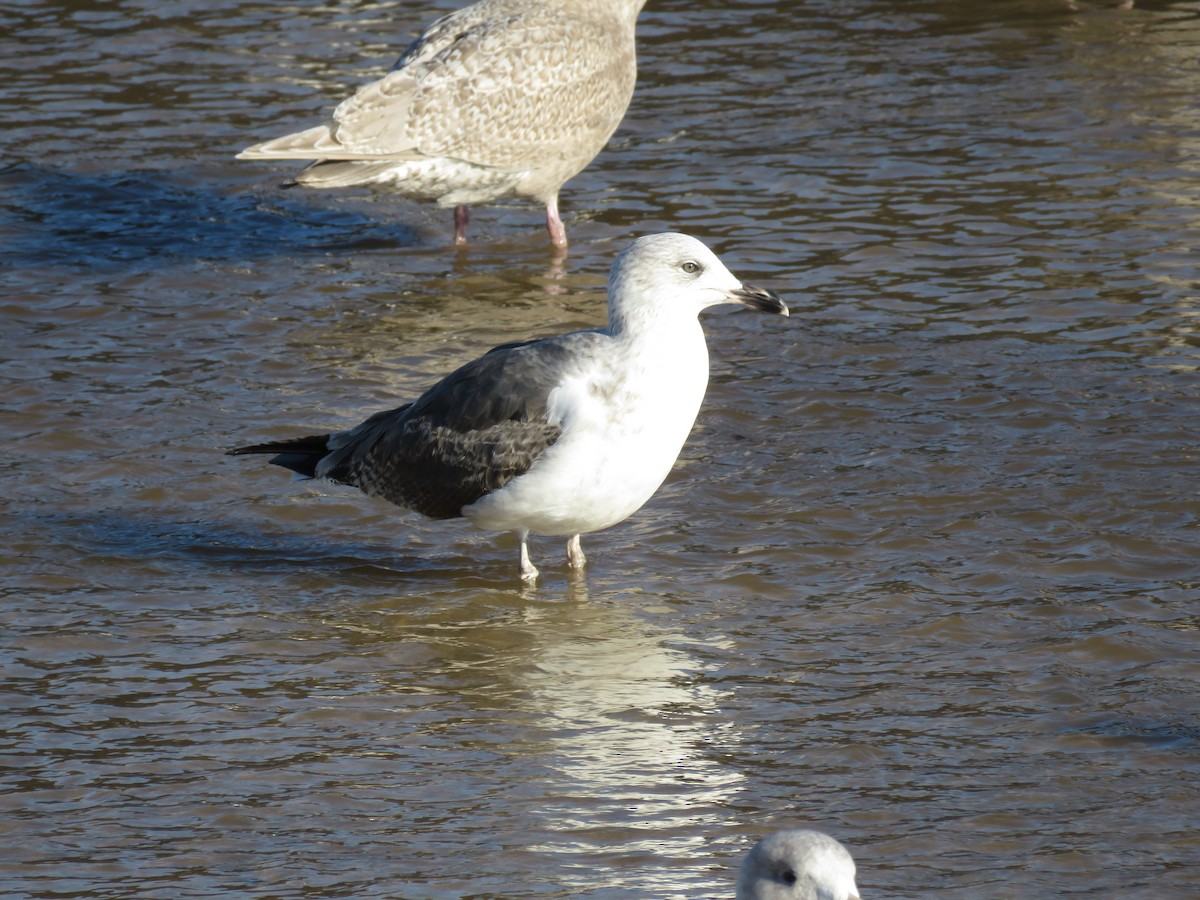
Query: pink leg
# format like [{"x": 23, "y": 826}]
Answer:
[
  {"x": 462, "y": 218},
  {"x": 554, "y": 225}
]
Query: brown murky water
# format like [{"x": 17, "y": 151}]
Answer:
[{"x": 926, "y": 577}]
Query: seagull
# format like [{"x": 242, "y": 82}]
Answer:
[
  {"x": 504, "y": 98},
  {"x": 798, "y": 864},
  {"x": 559, "y": 436}
]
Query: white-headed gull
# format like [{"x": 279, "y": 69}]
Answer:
[
  {"x": 559, "y": 436},
  {"x": 798, "y": 864}
]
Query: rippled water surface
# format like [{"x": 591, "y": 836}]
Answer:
[{"x": 926, "y": 575}]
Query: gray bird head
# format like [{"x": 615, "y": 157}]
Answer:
[{"x": 797, "y": 865}]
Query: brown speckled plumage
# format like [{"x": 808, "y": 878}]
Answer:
[{"x": 505, "y": 98}]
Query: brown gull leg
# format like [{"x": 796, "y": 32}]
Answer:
[
  {"x": 554, "y": 225},
  {"x": 575, "y": 557},
  {"x": 462, "y": 218}
]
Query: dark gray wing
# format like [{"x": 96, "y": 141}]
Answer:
[{"x": 468, "y": 435}]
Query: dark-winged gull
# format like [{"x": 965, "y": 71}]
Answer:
[
  {"x": 505, "y": 98},
  {"x": 558, "y": 436},
  {"x": 798, "y": 864}
]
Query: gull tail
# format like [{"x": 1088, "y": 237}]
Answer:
[
  {"x": 298, "y": 454},
  {"x": 331, "y": 173}
]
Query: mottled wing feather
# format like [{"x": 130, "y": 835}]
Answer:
[
  {"x": 469, "y": 435},
  {"x": 499, "y": 90},
  {"x": 437, "y": 471},
  {"x": 449, "y": 30},
  {"x": 342, "y": 173},
  {"x": 514, "y": 92},
  {"x": 375, "y": 121}
]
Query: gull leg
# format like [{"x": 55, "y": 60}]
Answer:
[
  {"x": 575, "y": 557},
  {"x": 462, "y": 218},
  {"x": 554, "y": 225},
  {"x": 529, "y": 572}
]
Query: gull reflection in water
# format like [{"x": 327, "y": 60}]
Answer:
[{"x": 629, "y": 718}]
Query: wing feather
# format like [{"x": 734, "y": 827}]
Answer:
[
  {"x": 472, "y": 433},
  {"x": 501, "y": 88}
]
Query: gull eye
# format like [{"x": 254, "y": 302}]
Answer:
[
  {"x": 788, "y": 876},
  {"x": 692, "y": 267}
]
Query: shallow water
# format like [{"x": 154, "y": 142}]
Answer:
[{"x": 925, "y": 577}]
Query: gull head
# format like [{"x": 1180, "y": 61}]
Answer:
[
  {"x": 670, "y": 276},
  {"x": 797, "y": 865}
]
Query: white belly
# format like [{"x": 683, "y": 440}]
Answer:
[{"x": 620, "y": 439}]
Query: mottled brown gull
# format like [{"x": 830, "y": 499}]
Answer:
[
  {"x": 798, "y": 864},
  {"x": 558, "y": 436},
  {"x": 505, "y": 98}
]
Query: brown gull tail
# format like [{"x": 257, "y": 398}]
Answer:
[
  {"x": 298, "y": 454},
  {"x": 343, "y": 173}
]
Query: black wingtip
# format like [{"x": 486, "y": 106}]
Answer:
[
  {"x": 274, "y": 447},
  {"x": 300, "y": 454}
]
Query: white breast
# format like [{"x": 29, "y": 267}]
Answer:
[{"x": 623, "y": 428}]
